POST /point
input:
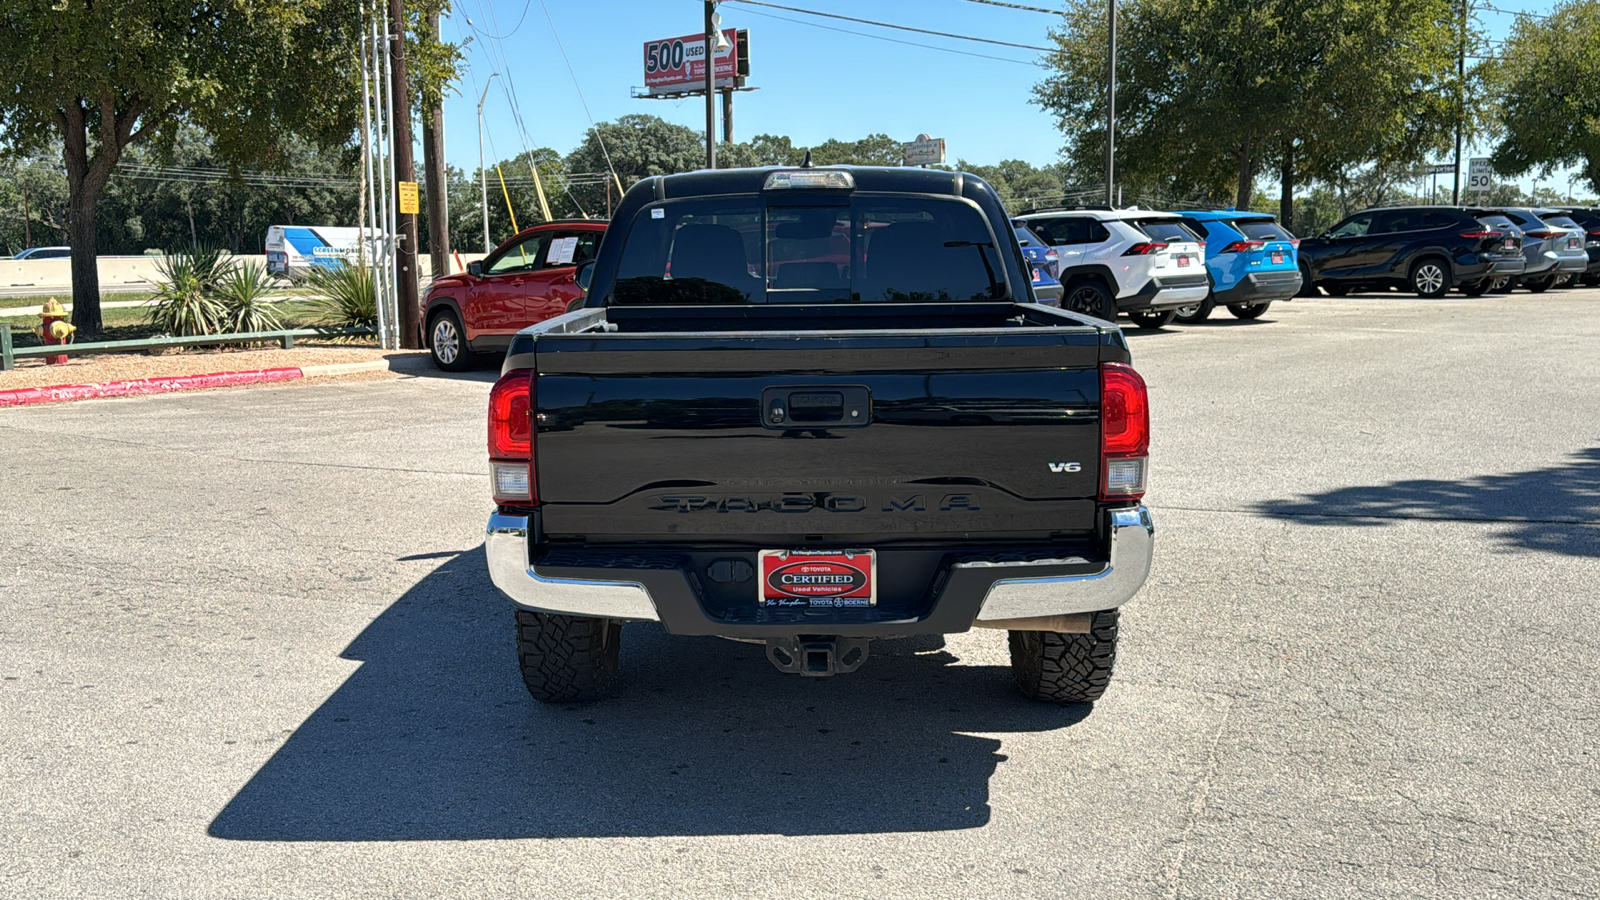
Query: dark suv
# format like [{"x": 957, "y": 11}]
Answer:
[
  {"x": 1428, "y": 249},
  {"x": 1588, "y": 218}
]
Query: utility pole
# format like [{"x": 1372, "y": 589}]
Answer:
[
  {"x": 711, "y": 85},
  {"x": 1461, "y": 101},
  {"x": 727, "y": 116},
  {"x": 405, "y": 256},
  {"x": 433, "y": 163},
  {"x": 1111, "y": 101},
  {"x": 483, "y": 173}
]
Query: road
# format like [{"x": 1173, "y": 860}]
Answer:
[{"x": 249, "y": 650}]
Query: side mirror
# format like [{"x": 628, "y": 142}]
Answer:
[
  {"x": 475, "y": 269},
  {"x": 584, "y": 275}
]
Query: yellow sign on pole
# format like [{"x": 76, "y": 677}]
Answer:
[{"x": 408, "y": 198}]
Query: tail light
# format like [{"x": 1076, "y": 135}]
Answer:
[
  {"x": 1124, "y": 432},
  {"x": 1295, "y": 243},
  {"x": 1052, "y": 256},
  {"x": 1594, "y": 234},
  {"x": 1145, "y": 248},
  {"x": 1479, "y": 235},
  {"x": 511, "y": 465},
  {"x": 1541, "y": 235},
  {"x": 1243, "y": 246}
]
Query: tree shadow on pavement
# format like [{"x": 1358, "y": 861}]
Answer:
[
  {"x": 1555, "y": 509},
  {"x": 434, "y": 738}
]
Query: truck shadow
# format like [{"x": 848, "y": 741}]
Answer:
[
  {"x": 434, "y": 738},
  {"x": 1555, "y": 509}
]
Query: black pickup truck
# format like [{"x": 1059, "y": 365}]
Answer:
[{"x": 809, "y": 407}]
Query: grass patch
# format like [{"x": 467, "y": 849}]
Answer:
[{"x": 65, "y": 296}]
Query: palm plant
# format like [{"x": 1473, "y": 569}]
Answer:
[
  {"x": 184, "y": 303},
  {"x": 344, "y": 295},
  {"x": 242, "y": 292}
]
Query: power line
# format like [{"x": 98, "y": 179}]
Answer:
[
  {"x": 1511, "y": 12},
  {"x": 514, "y": 28},
  {"x": 879, "y": 37},
  {"x": 959, "y": 37},
  {"x": 1048, "y": 12},
  {"x": 585, "y": 103}
]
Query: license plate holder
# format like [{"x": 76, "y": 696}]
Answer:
[
  {"x": 1183, "y": 260},
  {"x": 1277, "y": 258},
  {"x": 818, "y": 579}
]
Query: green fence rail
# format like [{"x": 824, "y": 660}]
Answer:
[{"x": 284, "y": 338}]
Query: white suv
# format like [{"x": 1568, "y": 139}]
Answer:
[{"x": 1138, "y": 261}]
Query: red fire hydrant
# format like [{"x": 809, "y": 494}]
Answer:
[{"x": 53, "y": 328}]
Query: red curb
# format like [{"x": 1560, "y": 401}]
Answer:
[{"x": 63, "y": 392}]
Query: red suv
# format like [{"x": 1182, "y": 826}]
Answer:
[{"x": 526, "y": 280}]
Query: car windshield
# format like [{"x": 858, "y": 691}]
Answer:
[
  {"x": 1170, "y": 230},
  {"x": 1262, "y": 230},
  {"x": 866, "y": 249}
]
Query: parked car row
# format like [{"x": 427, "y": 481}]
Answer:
[{"x": 1157, "y": 267}]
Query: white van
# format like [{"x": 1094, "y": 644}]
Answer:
[{"x": 291, "y": 249}]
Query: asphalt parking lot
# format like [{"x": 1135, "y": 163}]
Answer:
[{"x": 249, "y": 649}]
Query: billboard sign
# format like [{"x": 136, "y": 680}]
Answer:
[
  {"x": 924, "y": 151},
  {"x": 1480, "y": 175},
  {"x": 678, "y": 65}
]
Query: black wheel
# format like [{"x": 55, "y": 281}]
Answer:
[
  {"x": 1090, "y": 298},
  {"x": 1066, "y": 668},
  {"x": 1308, "y": 288},
  {"x": 1248, "y": 310},
  {"x": 1430, "y": 277},
  {"x": 566, "y": 658},
  {"x": 1196, "y": 313},
  {"x": 1537, "y": 285},
  {"x": 1477, "y": 288},
  {"x": 1335, "y": 289},
  {"x": 1152, "y": 318},
  {"x": 447, "y": 343}
]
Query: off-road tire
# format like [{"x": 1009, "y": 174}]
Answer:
[
  {"x": 447, "y": 342},
  {"x": 1066, "y": 668},
  {"x": 567, "y": 658},
  {"x": 1430, "y": 277},
  {"x": 1151, "y": 318},
  {"x": 1089, "y": 297},
  {"x": 1248, "y": 310},
  {"x": 1199, "y": 312}
]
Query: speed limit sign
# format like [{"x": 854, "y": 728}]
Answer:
[{"x": 1480, "y": 175}]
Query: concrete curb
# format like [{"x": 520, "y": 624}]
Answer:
[
  {"x": 60, "y": 393},
  {"x": 63, "y": 392}
]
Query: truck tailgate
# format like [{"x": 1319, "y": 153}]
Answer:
[{"x": 766, "y": 439}]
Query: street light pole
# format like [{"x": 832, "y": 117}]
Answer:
[
  {"x": 711, "y": 81},
  {"x": 1111, "y": 101},
  {"x": 483, "y": 175}
]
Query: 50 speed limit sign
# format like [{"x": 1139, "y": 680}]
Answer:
[{"x": 1480, "y": 176}]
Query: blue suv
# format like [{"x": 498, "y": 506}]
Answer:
[{"x": 1252, "y": 261}]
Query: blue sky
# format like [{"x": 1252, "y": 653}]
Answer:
[{"x": 814, "y": 83}]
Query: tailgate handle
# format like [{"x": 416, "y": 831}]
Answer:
[{"x": 809, "y": 407}]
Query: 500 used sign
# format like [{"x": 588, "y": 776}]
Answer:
[{"x": 682, "y": 61}]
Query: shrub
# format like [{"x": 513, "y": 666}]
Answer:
[
  {"x": 342, "y": 295},
  {"x": 185, "y": 302},
  {"x": 242, "y": 292}
]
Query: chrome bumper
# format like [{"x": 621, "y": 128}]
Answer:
[
  {"x": 1131, "y": 534},
  {"x": 1011, "y": 594},
  {"x": 506, "y": 546}
]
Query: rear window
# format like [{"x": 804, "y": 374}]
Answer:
[
  {"x": 1069, "y": 230},
  {"x": 1028, "y": 238},
  {"x": 868, "y": 249},
  {"x": 1497, "y": 222},
  {"x": 1560, "y": 221},
  {"x": 1262, "y": 230},
  {"x": 1170, "y": 230}
]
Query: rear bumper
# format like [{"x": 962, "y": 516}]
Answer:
[
  {"x": 1048, "y": 294},
  {"x": 1262, "y": 287},
  {"x": 641, "y": 587},
  {"x": 1169, "y": 292},
  {"x": 1506, "y": 266}
]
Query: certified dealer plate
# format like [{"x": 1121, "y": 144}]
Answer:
[
  {"x": 819, "y": 578},
  {"x": 1277, "y": 258}
]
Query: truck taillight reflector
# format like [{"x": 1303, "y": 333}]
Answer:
[
  {"x": 511, "y": 438},
  {"x": 1124, "y": 432}
]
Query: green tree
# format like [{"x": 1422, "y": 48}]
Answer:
[
  {"x": 638, "y": 146},
  {"x": 872, "y": 150},
  {"x": 1212, "y": 92},
  {"x": 1546, "y": 84},
  {"x": 101, "y": 77},
  {"x": 33, "y": 202}
]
